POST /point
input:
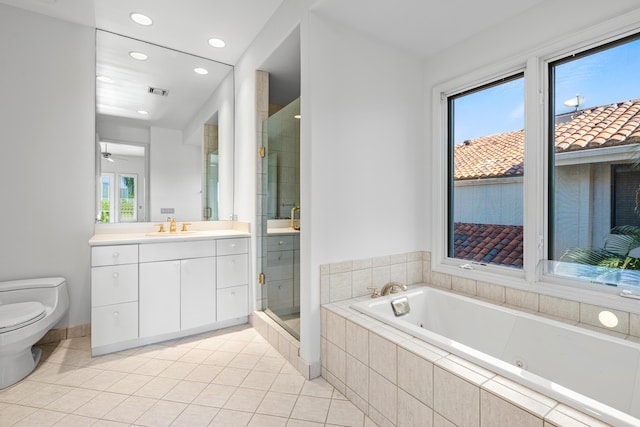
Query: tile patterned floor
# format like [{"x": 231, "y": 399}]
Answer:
[{"x": 231, "y": 377}]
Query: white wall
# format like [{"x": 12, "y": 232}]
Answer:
[
  {"x": 361, "y": 155},
  {"x": 121, "y": 129},
  {"x": 175, "y": 179},
  {"x": 47, "y": 165}
]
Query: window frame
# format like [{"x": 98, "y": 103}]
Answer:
[{"x": 534, "y": 64}]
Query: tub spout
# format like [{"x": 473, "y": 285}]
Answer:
[{"x": 390, "y": 288}]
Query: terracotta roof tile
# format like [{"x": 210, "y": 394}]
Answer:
[
  {"x": 502, "y": 155},
  {"x": 489, "y": 243}
]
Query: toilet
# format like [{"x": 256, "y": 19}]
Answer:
[{"x": 28, "y": 310}]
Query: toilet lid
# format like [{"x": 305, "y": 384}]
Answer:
[{"x": 13, "y": 316}]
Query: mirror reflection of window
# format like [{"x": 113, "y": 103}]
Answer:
[
  {"x": 106, "y": 205},
  {"x": 127, "y": 198}
]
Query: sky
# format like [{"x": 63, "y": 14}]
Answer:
[{"x": 602, "y": 78}]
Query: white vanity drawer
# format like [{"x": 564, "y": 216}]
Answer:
[
  {"x": 280, "y": 294},
  {"x": 114, "y": 255},
  {"x": 232, "y": 270},
  {"x": 114, "y": 284},
  {"x": 280, "y": 243},
  {"x": 178, "y": 250},
  {"x": 279, "y": 265},
  {"x": 233, "y": 302},
  {"x": 232, "y": 246},
  {"x": 114, "y": 323}
]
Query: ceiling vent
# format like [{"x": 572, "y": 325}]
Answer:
[{"x": 158, "y": 91}]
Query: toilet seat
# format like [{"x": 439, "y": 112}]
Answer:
[{"x": 18, "y": 315}]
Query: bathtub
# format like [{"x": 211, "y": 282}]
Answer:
[{"x": 592, "y": 372}]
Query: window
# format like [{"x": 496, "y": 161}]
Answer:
[
  {"x": 594, "y": 210},
  {"x": 485, "y": 173}
]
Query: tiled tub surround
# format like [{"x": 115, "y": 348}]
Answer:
[
  {"x": 350, "y": 279},
  {"x": 554, "y": 355},
  {"x": 399, "y": 380},
  {"x": 349, "y": 369}
]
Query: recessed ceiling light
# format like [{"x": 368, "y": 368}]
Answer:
[
  {"x": 138, "y": 55},
  {"x": 200, "y": 70},
  {"x": 141, "y": 19},
  {"x": 104, "y": 79},
  {"x": 217, "y": 43},
  {"x": 143, "y": 112}
]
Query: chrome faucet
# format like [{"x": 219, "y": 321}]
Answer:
[
  {"x": 390, "y": 288},
  {"x": 294, "y": 225}
]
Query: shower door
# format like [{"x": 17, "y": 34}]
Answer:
[{"x": 280, "y": 188}]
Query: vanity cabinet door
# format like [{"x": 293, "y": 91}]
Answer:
[
  {"x": 197, "y": 292},
  {"x": 233, "y": 302},
  {"x": 114, "y": 323},
  {"x": 159, "y": 298}
]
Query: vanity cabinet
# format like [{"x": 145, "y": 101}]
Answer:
[
  {"x": 177, "y": 286},
  {"x": 232, "y": 278},
  {"x": 280, "y": 272},
  {"x": 149, "y": 292},
  {"x": 114, "y": 294}
]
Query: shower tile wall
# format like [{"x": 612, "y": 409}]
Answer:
[
  {"x": 283, "y": 152},
  {"x": 209, "y": 145}
]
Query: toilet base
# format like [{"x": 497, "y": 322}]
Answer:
[{"x": 16, "y": 366}]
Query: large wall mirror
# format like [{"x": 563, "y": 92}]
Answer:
[{"x": 164, "y": 133}]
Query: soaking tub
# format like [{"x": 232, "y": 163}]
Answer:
[{"x": 592, "y": 372}]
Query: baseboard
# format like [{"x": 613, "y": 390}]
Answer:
[{"x": 59, "y": 334}]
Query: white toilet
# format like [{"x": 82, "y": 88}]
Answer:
[{"x": 28, "y": 310}]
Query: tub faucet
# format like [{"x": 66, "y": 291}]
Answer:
[{"x": 390, "y": 288}]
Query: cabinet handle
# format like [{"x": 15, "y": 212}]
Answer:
[
  {"x": 115, "y": 313},
  {"x": 281, "y": 242},
  {"x": 116, "y": 254},
  {"x": 233, "y": 245},
  {"x": 233, "y": 293},
  {"x": 115, "y": 275}
]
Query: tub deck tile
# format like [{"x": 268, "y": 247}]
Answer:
[
  {"x": 564, "y": 416},
  {"x": 424, "y": 349},
  {"x": 497, "y": 412},
  {"x": 520, "y": 396},
  {"x": 465, "y": 370}
]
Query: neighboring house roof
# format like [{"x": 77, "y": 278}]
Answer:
[
  {"x": 502, "y": 155},
  {"x": 489, "y": 243}
]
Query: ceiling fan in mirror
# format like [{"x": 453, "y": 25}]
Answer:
[{"x": 109, "y": 157}]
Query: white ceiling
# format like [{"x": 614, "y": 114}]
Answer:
[
  {"x": 185, "y": 25},
  {"x": 421, "y": 27}
]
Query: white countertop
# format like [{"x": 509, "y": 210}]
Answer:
[
  {"x": 121, "y": 234},
  {"x": 276, "y": 230}
]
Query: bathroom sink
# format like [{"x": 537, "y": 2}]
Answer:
[{"x": 175, "y": 234}]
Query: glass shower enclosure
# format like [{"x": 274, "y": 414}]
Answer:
[{"x": 280, "y": 213}]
